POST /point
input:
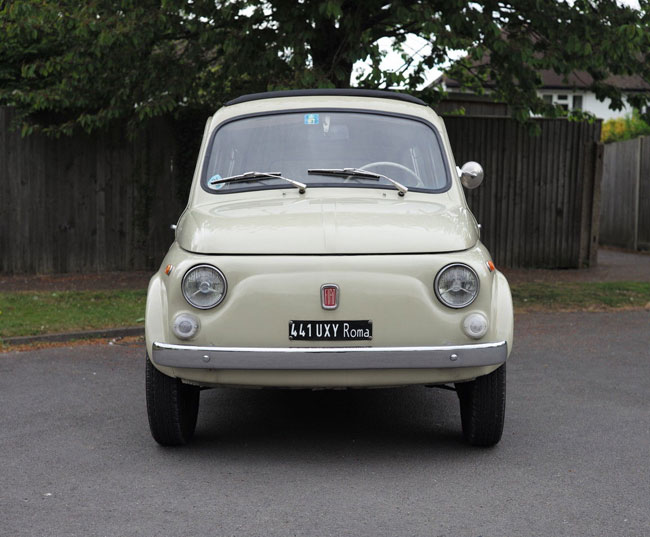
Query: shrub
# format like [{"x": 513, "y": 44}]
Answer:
[{"x": 625, "y": 128}]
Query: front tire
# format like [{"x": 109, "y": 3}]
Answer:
[
  {"x": 172, "y": 407},
  {"x": 483, "y": 407}
]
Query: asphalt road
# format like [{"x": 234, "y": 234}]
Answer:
[{"x": 77, "y": 458}]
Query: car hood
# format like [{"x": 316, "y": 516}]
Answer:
[{"x": 327, "y": 226}]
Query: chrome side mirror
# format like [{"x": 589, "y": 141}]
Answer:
[{"x": 471, "y": 174}]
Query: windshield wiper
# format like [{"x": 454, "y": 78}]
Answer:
[
  {"x": 356, "y": 172},
  {"x": 252, "y": 176}
]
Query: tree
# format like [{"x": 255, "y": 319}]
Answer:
[{"x": 67, "y": 64}]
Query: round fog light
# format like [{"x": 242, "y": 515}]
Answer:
[
  {"x": 185, "y": 326},
  {"x": 475, "y": 325}
]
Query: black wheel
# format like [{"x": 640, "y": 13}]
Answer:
[
  {"x": 483, "y": 407},
  {"x": 172, "y": 407}
]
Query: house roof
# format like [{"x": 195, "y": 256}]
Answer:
[{"x": 583, "y": 80}]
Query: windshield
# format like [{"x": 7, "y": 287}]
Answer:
[{"x": 405, "y": 150}]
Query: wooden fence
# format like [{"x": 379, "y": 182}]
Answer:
[
  {"x": 625, "y": 212},
  {"x": 468, "y": 104},
  {"x": 86, "y": 203},
  {"x": 538, "y": 204},
  {"x": 106, "y": 202}
]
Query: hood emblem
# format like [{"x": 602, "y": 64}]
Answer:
[{"x": 329, "y": 296}]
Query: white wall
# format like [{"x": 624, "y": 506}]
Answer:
[{"x": 600, "y": 109}]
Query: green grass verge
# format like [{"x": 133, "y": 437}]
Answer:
[
  {"x": 32, "y": 313},
  {"x": 580, "y": 295}
]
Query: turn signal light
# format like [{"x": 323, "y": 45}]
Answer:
[
  {"x": 475, "y": 325},
  {"x": 185, "y": 326}
]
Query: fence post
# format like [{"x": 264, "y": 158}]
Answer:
[
  {"x": 643, "y": 234},
  {"x": 595, "y": 205},
  {"x": 637, "y": 182},
  {"x": 590, "y": 214}
]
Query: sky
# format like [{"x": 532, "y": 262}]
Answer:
[{"x": 414, "y": 45}]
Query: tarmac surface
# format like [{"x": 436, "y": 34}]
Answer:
[
  {"x": 613, "y": 266},
  {"x": 78, "y": 460}
]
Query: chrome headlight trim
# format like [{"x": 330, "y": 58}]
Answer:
[
  {"x": 219, "y": 274},
  {"x": 437, "y": 279}
]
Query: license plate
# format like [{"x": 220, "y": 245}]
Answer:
[{"x": 330, "y": 330}]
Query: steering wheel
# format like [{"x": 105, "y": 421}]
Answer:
[{"x": 419, "y": 181}]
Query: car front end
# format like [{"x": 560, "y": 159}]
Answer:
[{"x": 321, "y": 270}]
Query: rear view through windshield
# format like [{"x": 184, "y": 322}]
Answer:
[{"x": 406, "y": 150}]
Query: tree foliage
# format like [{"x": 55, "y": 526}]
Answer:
[
  {"x": 518, "y": 40},
  {"x": 67, "y": 64}
]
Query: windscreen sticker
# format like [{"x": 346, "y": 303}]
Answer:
[
  {"x": 215, "y": 186},
  {"x": 312, "y": 119}
]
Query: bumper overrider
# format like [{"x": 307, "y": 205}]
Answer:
[{"x": 324, "y": 358}]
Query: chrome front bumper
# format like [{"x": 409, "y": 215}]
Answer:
[{"x": 324, "y": 358}]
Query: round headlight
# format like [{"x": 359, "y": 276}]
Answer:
[
  {"x": 456, "y": 285},
  {"x": 204, "y": 286}
]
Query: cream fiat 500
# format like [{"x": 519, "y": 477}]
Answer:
[{"x": 327, "y": 243}]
